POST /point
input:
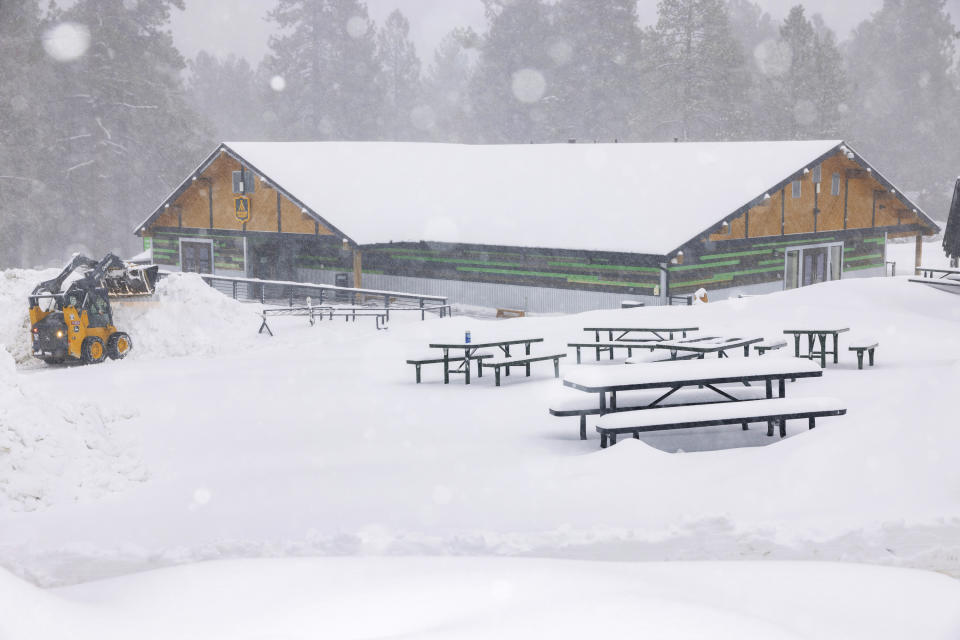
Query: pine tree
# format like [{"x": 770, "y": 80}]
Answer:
[
  {"x": 399, "y": 80},
  {"x": 126, "y": 136},
  {"x": 596, "y": 53},
  {"x": 904, "y": 98},
  {"x": 512, "y": 92},
  {"x": 804, "y": 98},
  {"x": 29, "y": 208},
  {"x": 697, "y": 72},
  {"x": 326, "y": 58},
  {"x": 229, "y": 95},
  {"x": 447, "y": 86}
]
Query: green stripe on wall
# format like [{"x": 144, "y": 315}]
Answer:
[
  {"x": 752, "y": 252},
  {"x": 863, "y": 266},
  {"x": 872, "y": 256},
  {"x": 614, "y": 267},
  {"x": 687, "y": 267}
]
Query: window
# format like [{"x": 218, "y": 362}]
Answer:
[
  {"x": 792, "y": 279},
  {"x": 835, "y": 185},
  {"x": 816, "y": 174},
  {"x": 246, "y": 186},
  {"x": 196, "y": 257},
  {"x": 795, "y": 189}
]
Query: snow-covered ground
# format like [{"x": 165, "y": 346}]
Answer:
[
  {"x": 301, "y": 598},
  {"x": 317, "y": 442}
]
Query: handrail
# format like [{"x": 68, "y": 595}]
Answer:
[{"x": 353, "y": 292}]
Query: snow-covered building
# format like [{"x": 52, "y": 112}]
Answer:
[{"x": 545, "y": 227}]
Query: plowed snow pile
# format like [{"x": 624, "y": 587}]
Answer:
[
  {"x": 187, "y": 317},
  {"x": 15, "y": 286},
  {"x": 54, "y": 452}
]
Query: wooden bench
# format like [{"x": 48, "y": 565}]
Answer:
[
  {"x": 769, "y": 345},
  {"x": 506, "y": 363},
  {"x": 769, "y": 410},
  {"x": 864, "y": 345},
  {"x": 419, "y": 363},
  {"x": 511, "y": 313},
  {"x": 606, "y": 346},
  {"x": 578, "y": 404}
]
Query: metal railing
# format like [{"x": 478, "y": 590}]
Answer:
[{"x": 289, "y": 293}]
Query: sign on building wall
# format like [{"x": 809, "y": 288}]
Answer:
[{"x": 241, "y": 208}]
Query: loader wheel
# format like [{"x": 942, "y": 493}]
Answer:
[
  {"x": 92, "y": 350},
  {"x": 118, "y": 345}
]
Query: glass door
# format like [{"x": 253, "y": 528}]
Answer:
[
  {"x": 196, "y": 257},
  {"x": 809, "y": 265}
]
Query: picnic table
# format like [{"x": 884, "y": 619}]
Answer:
[
  {"x": 469, "y": 350},
  {"x": 700, "y": 347},
  {"x": 656, "y": 333},
  {"x": 814, "y": 335},
  {"x": 927, "y": 272},
  {"x": 674, "y": 376}
]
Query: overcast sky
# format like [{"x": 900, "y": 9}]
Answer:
[{"x": 238, "y": 26}]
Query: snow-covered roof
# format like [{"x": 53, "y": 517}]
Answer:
[
  {"x": 637, "y": 198},
  {"x": 648, "y": 198}
]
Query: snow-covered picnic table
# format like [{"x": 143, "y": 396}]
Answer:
[
  {"x": 927, "y": 272},
  {"x": 688, "y": 373},
  {"x": 470, "y": 348},
  {"x": 813, "y": 335},
  {"x": 702, "y": 346},
  {"x": 626, "y": 333}
]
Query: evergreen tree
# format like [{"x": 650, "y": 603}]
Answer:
[
  {"x": 596, "y": 53},
  {"x": 125, "y": 133},
  {"x": 447, "y": 86},
  {"x": 804, "y": 97},
  {"x": 512, "y": 92},
  {"x": 697, "y": 73},
  {"x": 29, "y": 208},
  {"x": 904, "y": 96},
  {"x": 399, "y": 80},
  {"x": 229, "y": 95},
  {"x": 326, "y": 58}
]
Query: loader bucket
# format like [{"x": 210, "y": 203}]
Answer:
[{"x": 131, "y": 281}]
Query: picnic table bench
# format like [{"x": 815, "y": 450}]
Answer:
[
  {"x": 769, "y": 345},
  {"x": 418, "y": 363},
  {"x": 769, "y": 410},
  {"x": 582, "y": 405},
  {"x": 470, "y": 349},
  {"x": 506, "y": 363},
  {"x": 812, "y": 336},
  {"x": 864, "y": 344}
]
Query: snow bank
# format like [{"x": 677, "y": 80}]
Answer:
[
  {"x": 53, "y": 452},
  {"x": 187, "y": 317},
  {"x": 492, "y": 598},
  {"x": 15, "y": 286}
]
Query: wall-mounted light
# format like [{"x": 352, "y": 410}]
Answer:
[
  {"x": 193, "y": 179},
  {"x": 806, "y": 171},
  {"x": 766, "y": 196}
]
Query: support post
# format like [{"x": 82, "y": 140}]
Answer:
[
  {"x": 918, "y": 258},
  {"x": 357, "y": 269}
]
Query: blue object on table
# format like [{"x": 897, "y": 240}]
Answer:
[{"x": 466, "y": 337}]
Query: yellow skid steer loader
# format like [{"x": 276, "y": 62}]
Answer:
[{"x": 77, "y": 324}]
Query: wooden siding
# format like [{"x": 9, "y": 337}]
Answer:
[
  {"x": 191, "y": 210},
  {"x": 857, "y": 187}
]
